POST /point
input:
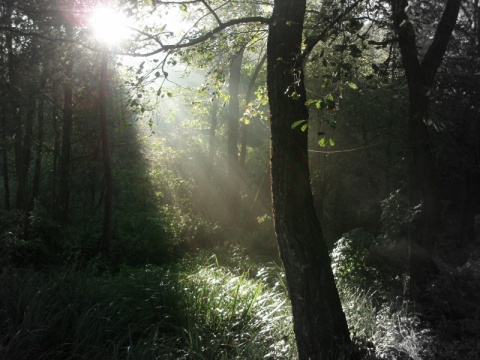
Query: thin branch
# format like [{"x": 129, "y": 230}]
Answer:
[
  {"x": 206, "y": 36},
  {"x": 312, "y": 42},
  {"x": 212, "y": 12}
]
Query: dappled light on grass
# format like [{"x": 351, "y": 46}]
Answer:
[{"x": 183, "y": 311}]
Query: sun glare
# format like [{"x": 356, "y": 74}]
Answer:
[{"x": 109, "y": 26}]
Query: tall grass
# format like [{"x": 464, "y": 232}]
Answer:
[
  {"x": 180, "y": 312},
  {"x": 186, "y": 311}
]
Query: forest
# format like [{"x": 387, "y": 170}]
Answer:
[{"x": 240, "y": 179}]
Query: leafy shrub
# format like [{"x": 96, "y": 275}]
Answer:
[
  {"x": 397, "y": 216},
  {"x": 352, "y": 260}
]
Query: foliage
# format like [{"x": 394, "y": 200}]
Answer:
[
  {"x": 352, "y": 259},
  {"x": 397, "y": 215}
]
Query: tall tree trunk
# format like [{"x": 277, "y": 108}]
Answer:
[
  {"x": 64, "y": 171},
  {"x": 211, "y": 137},
  {"x": 27, "y": 143},
  {"x": 53, "y": 197},
  {"x": 233, "y": 186},
  {"x": 15, "y": 96},
  {"x": 319, "y": 323},
  {"x": 40, "y": 135},
  {"x": 422, "y": 184},
  {"x": 104, "y": 244},
  {"x": 6, "y": 178}
]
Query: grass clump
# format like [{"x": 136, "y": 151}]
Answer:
[{"x": 186, "y": 311}]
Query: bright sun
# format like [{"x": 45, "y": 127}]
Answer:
[{"x": 109, "y": 26}]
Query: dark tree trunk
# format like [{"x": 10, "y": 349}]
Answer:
[
  {"x": 53, "y": 198},
  {"x": 422, "y": 184},
  {"x": 27, "y": 144},
  {"x": 104, "y": 244},
  {"x": 233, "y": 185},
  {"x": 6, "y": 178},
  {"x": 64, "y": 171},
  {"x": 319, "y": 323},
  {"x": 15, "y": 95},
  {"x": 40, "y": 135}
]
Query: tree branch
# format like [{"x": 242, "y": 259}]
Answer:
[
  {"x": 313, "y": 41},
  {"x": 206, "y": 36},
  {"x": 434, "y": 55}
]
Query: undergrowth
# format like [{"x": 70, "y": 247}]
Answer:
[
  {"x": 185, "y": 311},
  {"x": 194, "y": 310}
]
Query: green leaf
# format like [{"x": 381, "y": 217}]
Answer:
[
  {"x": 331, "y": 141},
  {"x": 322, "y": 142},
  {"x": 304, "y": 127},
  {"x": 329, "y": 97},
  {"x": 319, "y": 104},
  {"x": 298, "y": 123},
  {"x": 169, "y": 94},
  {"x": 353, "y": 86}
]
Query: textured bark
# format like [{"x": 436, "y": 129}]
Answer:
[
  {"x": 319, "y": 323},
  {"x": 422, "y": 183}
]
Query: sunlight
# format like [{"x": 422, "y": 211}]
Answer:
[{"x": 109, "y": 26}]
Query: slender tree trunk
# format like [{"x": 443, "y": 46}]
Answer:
[
  {"x": 233, "y": 186},
  {"x": 53, "y": 198},
  {"x": 422, "y": 183},
  {"x": 40, "y": 135},
  {"x": 319, "y": 323},
  {"x": 64, "y": 171},
  {"x": 104, "y": 244},
  {"x": 6, "y": 179},
  {"x": 15, "y": 107},
  {"x": 27, "y": 144},
  {"x": 211, "y": 137}
]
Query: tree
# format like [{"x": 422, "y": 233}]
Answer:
[
  {"x": 233, "y": 186},
  {"x": 319, "y": 322},
  {"x": 422, "y": 183}
]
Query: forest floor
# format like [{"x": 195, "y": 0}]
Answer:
[{"x": 451, "y": 307}]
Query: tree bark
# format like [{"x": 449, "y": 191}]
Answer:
[
  {"x": 320, "y": 326},
  {"x": 422, "y": 183}
]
